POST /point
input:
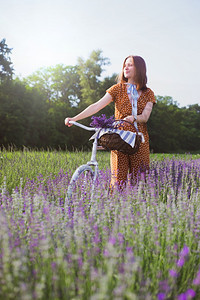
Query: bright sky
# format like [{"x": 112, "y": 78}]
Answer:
[{"x": 166, "y": 34}]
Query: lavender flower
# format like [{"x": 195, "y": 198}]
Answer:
[
  {"x": 173, "y": 273},
  {"x": 161, "y": 296},
  {"x": 189, "y": 294},
  {"x": 102, "y": 121},
  {"x": 97, "y": 241},
  {"x": 185, "y": 251},
  {"x": 182, "y": 297},
  {"x": 112, "y": 240},
  {"x": 183, "y": 254},
  {"x": 180, "y": 262},
  {"x": 196, "y": 281}
]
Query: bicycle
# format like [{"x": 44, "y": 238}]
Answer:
[{"x": 84, "y": 177}]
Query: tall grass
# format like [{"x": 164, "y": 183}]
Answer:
[
  {"x": 22, "y": 165},
  {"x": 18, "y": 166},
  {"x": 140, "y": 243}
]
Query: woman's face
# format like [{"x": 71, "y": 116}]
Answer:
[{"x": 129, "y": 70}]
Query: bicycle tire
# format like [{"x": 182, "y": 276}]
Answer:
[{"x": 81, "y": 183}]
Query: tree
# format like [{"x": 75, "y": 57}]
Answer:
[
  {"x": 6, "y": 69},
  {"x": 191, "y": 128},
  {"x": 90, "y": 72},
  {"x": 66, "y": 84},
  {"x": 165, "y": 126},
  {"x": 105, "y": 84},
  {"x": 23, "y": 116},
  {"x": 42, "y": 81},
  {"x": 58, "y": 83},
  {"x": 174, "y": 129}
]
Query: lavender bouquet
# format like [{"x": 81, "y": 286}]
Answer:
[{"x": 102, "y": 121}]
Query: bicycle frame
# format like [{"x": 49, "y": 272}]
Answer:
[{"x": 93, "y": 160}]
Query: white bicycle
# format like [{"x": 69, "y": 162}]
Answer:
[{"x": 83, "y": 180}]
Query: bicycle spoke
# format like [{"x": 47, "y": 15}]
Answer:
[{"x": 81, "y": 184}]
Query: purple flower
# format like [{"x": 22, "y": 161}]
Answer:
[
  {"x": 196, "y": 281},
  {"x": 173, "y": 273},
  {"x": 190, "y": 293},
  {"x": 163, "y": 286},
  {"x": 120, "y": 238},
  {"x": 80, "y": 262},
  {"x": 106, "y": 253},
  {"x": 112, "y": 240},
  {"x": 180, "y": 262},
  {"x": 182, "y": 297},
  {"x": 129, "y": 250},
  {"x": 102, "y": 121},
  {"x": 185, "y": 251},
  {"x": 161, "y": 296},
  {"x": 53, "y": 265}
]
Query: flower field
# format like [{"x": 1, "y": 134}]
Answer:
[{"x": 141, "y": 243}]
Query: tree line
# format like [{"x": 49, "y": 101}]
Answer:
[{"x": 33, "y": 109}]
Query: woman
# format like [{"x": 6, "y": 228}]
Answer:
[{"x": 133, "y": 72}]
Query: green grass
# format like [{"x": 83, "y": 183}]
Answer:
[
  {"x": 20, "y": 165},
  {"x": 17, "y": 166}
]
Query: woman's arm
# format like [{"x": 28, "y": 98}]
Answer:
[
  {"x": 144, "y": 117},
  {"x": 91, "y": 110}
]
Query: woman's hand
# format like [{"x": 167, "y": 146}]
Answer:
[
  {"x": 129, "y": 119},
  {"x": 67, "y": 120}
]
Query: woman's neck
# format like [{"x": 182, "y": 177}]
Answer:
[{"x": 131, "y": 81}]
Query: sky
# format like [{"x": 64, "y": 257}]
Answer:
[{"x": 44, "y": 33}]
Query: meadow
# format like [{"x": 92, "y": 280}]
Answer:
[{"x": 141, "y": 243}]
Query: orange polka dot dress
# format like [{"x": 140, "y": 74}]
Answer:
[{"x": 122, "y": 164}]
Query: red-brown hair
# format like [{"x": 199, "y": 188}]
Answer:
[{"x": 141, "y": 77}]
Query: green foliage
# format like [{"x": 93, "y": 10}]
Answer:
[
  {"x": 18, "y": 165},
  {"x": 90, "y": 73},
  {"x": 6, "y": 68},
  {"x": 59, "y": 83},
  {"x": 164, "y": 128},
  {"x": 174, "y": 129},
  {"x": 32, "y": 111},
  {"x": 22, "y": 115},
  {"x": 191, "y": 127}
]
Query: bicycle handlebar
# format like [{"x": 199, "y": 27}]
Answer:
[{"x": 82, "y": 126}]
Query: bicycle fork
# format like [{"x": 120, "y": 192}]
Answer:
[{"x": 93, "y": 161}]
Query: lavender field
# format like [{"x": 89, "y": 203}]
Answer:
[{"x": 142, "y": 243}]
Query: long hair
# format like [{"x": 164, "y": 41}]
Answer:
[{"x": 141, "y": 77}]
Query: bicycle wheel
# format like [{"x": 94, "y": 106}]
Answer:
[{"x": 81, "y": 183}]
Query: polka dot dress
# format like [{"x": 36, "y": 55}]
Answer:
[{"x": 122, "y": 164}]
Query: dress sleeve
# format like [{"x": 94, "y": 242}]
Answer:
[
  {"x": 151, "y": 96},
  {"x": 113, "y": 91}
]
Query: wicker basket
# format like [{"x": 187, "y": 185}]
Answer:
[{"x": 113, "y": 141}]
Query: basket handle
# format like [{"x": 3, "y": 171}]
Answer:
[{"x": 121, "y": 120}]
